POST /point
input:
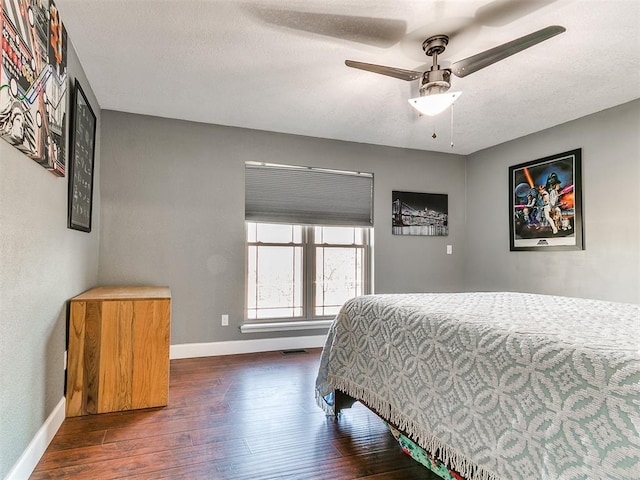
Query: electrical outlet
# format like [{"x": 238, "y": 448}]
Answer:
[
  {"x": 449, "y": 249},
  {"x": 225, "y": 320}
]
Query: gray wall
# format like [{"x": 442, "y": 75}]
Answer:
[
  {"x": 173, "y": 213},
  {"x": 42, "y": 265},
  {"x": 609, "y": 267}
]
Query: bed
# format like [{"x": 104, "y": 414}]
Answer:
[{"x": 495, "y": 385}]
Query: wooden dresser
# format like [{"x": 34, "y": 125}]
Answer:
[{"x": 118, "y": 352}]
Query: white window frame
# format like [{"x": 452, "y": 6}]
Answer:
[{"x": 308, "y": 319}]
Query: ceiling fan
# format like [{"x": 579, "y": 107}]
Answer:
[
  {"x": 386, "y": 32},
  {"x": 435, "y": 82}
]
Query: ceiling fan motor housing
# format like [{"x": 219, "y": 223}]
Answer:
[
  {"x": 435, "y": 45},
  {"x": 434, "y": 82}
]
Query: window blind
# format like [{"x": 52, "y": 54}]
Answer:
[{"x": 307, "y": 196}]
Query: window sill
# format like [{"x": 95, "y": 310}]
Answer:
[{"x": 262, "y": 327}]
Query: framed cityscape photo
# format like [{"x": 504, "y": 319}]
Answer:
[
  {"x": 419, "y": 213},
  {"x": 545, "y": 197}
]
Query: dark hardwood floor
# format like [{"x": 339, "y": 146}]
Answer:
[{"x": 232, "y": 417}]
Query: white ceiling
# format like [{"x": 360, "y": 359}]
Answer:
[{"x": 251, "y": 64}]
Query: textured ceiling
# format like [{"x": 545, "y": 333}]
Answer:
[{"x": 279, "y": 65}]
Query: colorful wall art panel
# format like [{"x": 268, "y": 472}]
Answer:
[{"x": 33, "y": 81}]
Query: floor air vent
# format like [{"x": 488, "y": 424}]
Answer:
[{"x": 293, "y": 351}]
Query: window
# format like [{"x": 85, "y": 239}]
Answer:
[
  {"x": 308, "y": 243},
  {"x": 302, "y": 272}
]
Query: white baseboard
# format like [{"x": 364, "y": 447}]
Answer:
[
  {"x": 31, "y": 456},
  {"x": 193, "y": 350}
]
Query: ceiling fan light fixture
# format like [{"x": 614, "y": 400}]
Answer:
[{"x": 434, "y": 104}]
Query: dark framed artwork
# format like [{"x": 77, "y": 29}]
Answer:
[
  {"x": 81, "y": 161},
  {"x": 545, "y": 197},
  {"x": 420, "y": 213}
]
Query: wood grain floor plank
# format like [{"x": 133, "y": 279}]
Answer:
[
  {"x": 357, "y": 466},
  {"x": 114, "y": 451},
  {"x": 77, "y": 440},
  {"x": 146, "y": 463}
]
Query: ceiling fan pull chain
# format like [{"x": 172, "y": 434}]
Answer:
[{"x": 452, "y": 125}]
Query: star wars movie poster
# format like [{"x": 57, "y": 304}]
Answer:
[
  {"x": 33, "y": 81},
  {"x": 546, "y": 202}
]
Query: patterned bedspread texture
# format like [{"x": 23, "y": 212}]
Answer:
[{"x": 501, "y": 385}]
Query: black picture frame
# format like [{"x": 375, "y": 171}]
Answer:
[
  {"x": 82, "y": 143},
  {"x": 545, "y": 198},
  {"x": 424, "y": 214}
]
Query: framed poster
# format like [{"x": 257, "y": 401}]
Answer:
[
  {"x": 81, "y": 160},
  {"x": 545, "y": 197},
  {"x": 420, "y": 213}
]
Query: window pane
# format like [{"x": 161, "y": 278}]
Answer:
[
  {"x": 274, "y": 233},
  {"x": 338, "y": 235},
  {"x": 339, "y": 277},
  {"x": 275, "y": 282}
]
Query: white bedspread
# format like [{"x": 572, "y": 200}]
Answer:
[{"x": 503, "y": 385}]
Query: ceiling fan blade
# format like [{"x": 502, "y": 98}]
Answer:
[
  {"x": 399, "y": 73},
  {"x": 502, "y": 12},
  {"x": 378, "y": 32},
  {"x": 464, "y": 30},
  {"x": 472, "y": 64}
]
